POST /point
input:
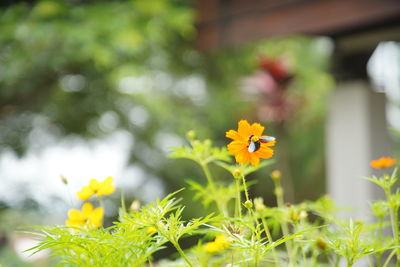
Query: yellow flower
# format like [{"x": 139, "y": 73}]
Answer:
[
  {"x": 95, "y": 187},
  {"x": 220, "y": 242},
  {"x": 249, "y": 145},
  {"x": 212, "y": 247},
  {"x": 383, "y": 162},
  {"x": 151, "y": 230},
  {"x": 88, "y": 216}
]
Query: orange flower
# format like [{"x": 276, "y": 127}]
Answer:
[
  {"x": 383, "y": 162},
  {"x": 249, "y": 145}
]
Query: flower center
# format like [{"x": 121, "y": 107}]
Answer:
[{"x": 253, "y": 138}]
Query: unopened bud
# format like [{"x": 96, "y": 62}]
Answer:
[
  {"x": 321, "y": 244},
  {"x": 248, "y": 204},
  {"x": 237, "y": 173},
  {"x": 276, "y": 174},
  {"x": 191, "y": 135},
  {"x": 294, "y": 216},
  {"x": 303, "y": 214},
  {"x": 135, "y": 206},
  {"x": 380, "y": 209},
  {"x": 64, "y": 179}
]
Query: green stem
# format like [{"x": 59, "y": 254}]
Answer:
[
  {"x": 245, "y": 187},
  {"x": 314, "y": 256},
  {"x": 238, "y": 208},
  {"x": 258, "y": 238},
  {"x": 284, "y": 224},
  {"x": 337, "y": 261},
  {"x": 379, "y": 237},
  {"x": 270, "y": 241},
  {"x": 175, "y": 244},
  {"x": 389, "y": 257},
  {"x": 303, "y": 253},
  {"x": 178, "y": 248},
  {"x": 394, "y": 215},
  {"x": 210, "y": 181}
]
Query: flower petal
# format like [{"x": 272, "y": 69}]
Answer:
[
  {"x": 242, "y": 157},
  {"x": 232, "y": 134},
  {"x": 70, "y": 222},
  {"x": 244, "y": 129},
  {"x": 254, "y": 159},
  {"x": 212, "y": 247},
  {"x": 94, "y": 184},
  {"x": 96, "y": 217},
  {"x": 256, "y": 129},
  {"x": 85, "y": 193},
  {"x": 105, "y": 187},
  {"x": 87, "y": 209},
  {"x": 236, "y": 146},
  {"x": 75, "y": 215},
  {"x": 106, "y": 190},
  {"x": 264, "y": 152}
]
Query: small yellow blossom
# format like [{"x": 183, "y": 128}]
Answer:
[
  {"x": 87, "y": 217},
  {"x": 383, "y": 162},
  {"x": 212, "y": 247},
  {"x": 151, "y": 230},
  {"x": 95, "y": 187},
  {"x": 220, "y": 242}
]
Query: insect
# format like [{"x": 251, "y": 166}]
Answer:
[{"x": 255, "y": 142}]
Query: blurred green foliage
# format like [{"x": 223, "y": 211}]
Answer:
[{"x": 90, "y": 68}]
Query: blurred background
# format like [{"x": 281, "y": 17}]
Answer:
[{"x": 91, "y": 88}]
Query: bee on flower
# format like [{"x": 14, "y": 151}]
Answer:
[
  {"x": 95, "y": 187},
  {"x": 249, "y": 144},
  {"x": 88, "y": 216}
]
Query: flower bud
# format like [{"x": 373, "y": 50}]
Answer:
[
  {"x": 321, "y": 244},
  {"x": 237, "y": 173},
  {"x": 303, "y": 214},
  {"x": 191, "y": 135},
  {"x": 64, "y": 179},
  {"x": 248, "y": 204},
  {"x": 135, "y": 206},
  {"x": 276, "y": 174},
  {"x": 294, "y": 215}
]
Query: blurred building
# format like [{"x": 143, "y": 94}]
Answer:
[{"x": 356, "y": 130}]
